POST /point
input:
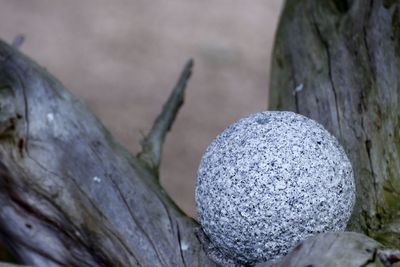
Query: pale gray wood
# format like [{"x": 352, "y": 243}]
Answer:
[
  {"x": 345, "y": 58},
  {"x": 152, "y": 144},
  {"x": 70, "y": 194},
  {"x": 347, "y": 249}
]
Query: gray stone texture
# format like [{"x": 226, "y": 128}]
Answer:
[{"x": 269, "y": 181}]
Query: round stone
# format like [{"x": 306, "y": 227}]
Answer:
[{"x": 269, "y": 181}]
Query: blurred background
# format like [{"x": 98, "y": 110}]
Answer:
[{"x": 123, "y": 57}]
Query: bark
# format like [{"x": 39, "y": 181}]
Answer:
[
  {"x": 338, "y": 63},
  {"x": 70, "y": 194},
  {"x": 343, "y": 58}
]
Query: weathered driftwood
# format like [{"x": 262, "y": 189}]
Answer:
[
  {"x": 70, "y": 194},
  {"x": 337, "y": 250},
  {"x": 338, "y": 62}
]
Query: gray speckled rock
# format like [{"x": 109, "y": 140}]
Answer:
[{"x": 269, "y": 181}]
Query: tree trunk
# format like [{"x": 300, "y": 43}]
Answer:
[
  {"x": 338, "y": 63},
  {"x": 70, "y": 194}
]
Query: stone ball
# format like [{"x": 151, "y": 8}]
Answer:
[{"x": 269, "y": 181}]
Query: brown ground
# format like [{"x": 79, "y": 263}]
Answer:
[{"x": 123, "y": 57}]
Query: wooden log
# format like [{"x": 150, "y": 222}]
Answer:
[
  {"x": 338, "y": 249},
  {"x": 338, "y": 62},
  {"x": 70, "y": 194}
]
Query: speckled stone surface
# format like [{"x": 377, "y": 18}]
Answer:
[{"x": 269, "y": 181}]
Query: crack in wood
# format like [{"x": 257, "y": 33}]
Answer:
[
  {"x": 180, "y": 244},
  {"x": 330, "y": 72}
]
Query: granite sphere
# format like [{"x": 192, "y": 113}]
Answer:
[{"x": 269, "y": 181}]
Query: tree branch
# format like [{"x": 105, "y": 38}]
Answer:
[
  {"x": 153, "y": 142},
  {"x": 70, "y": 195}
]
